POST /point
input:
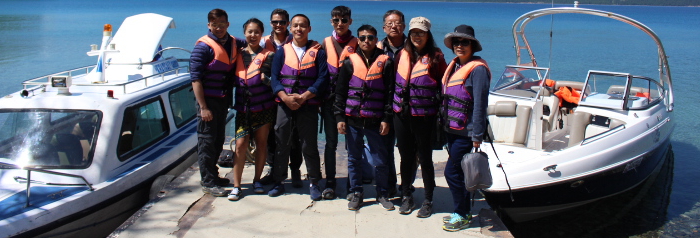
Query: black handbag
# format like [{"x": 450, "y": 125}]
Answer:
[
  {"x": 477, "y": 174},
  {"x": 226, "y": 158}
]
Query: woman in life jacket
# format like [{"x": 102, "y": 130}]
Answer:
[
  {"x": 421, "y": 64},
  {"x": 465, "y": 88},
  {"x": 254, "y": 105}
]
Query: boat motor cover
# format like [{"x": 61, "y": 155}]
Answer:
[{"x": 477, "y": 174}]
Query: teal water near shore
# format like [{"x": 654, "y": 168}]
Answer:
[{"x": 39, "y": 37}]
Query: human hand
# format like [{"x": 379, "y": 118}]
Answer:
[
  {"x": 290, "y": 101},
  {"x": 341, "y": 127},
  {"x": 206, "y": 114},
  {"x": 476, "y": 144},
  {"x": 384, "y": 128}
]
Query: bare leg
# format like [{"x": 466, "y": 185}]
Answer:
[
  {"x": 260, "y": 150},
  {"x": 239, "y": 162}
]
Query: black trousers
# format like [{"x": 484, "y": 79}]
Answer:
[
  {"x": 210, "y": 139},
  {"x": 414, "y": 140},
  {"x": 305, "y": 122}
]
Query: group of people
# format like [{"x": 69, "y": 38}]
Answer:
[{"x": 390, "y": 91}]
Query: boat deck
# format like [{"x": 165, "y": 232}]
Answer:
[{"x": 184, "y": 211}]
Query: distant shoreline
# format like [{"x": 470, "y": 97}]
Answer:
[{"x": 666, "y": 3}]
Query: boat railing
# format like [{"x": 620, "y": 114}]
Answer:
[
  {"x": 41, "y": 83},
  {"x": 29, "y": 181}
]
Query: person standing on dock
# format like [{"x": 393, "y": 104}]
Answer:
[
  {"x": 363, "y": 109},
  {"x": 463, "y": 113},
  {"x": 299, "y": 73},
  {"x": 254, "y": 104},
  {"x": 279, "y": 21},
  {"x": 421, "y": 65},
  {"x": 338, "y": 47},
  {"x": 211, "y": 65}
]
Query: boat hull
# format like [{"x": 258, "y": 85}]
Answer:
[{"x": 537, "y": 202}]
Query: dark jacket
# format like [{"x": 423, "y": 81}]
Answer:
[
  {"x": 342, "y": 88},
  {"x": 202, "y": 55}
]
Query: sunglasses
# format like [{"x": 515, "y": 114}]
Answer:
[
  {"x": 463, "y": 42},
  {"x": 343, "y": 20},
  {"x": 367, "y": 37},
  {"x": 279, "y": 23}
]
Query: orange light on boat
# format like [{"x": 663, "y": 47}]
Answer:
[{"x": 108, "y": 27}]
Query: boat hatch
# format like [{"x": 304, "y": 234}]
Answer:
[
  {"x": 620, "y": 91},
  {"x": 523, "y": 82}
]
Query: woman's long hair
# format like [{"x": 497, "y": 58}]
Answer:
[{"x": 430, "y": 48}]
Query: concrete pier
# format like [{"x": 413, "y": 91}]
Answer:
[{"x": 184, "y": 211}]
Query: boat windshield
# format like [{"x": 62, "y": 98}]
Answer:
[
  {"x": 521, "y": 81},
  {"x": 621, "y": 91},
  {"x": 45, "y": 138}
]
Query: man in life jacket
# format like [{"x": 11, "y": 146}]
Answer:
[
  {"x": 299, "y": 74},
  {"x": 279, "y": 21},
  {"x": 338, "y": 47},
  {"x": 211, "y": 69},
  {"x": 363, "y": 109}
]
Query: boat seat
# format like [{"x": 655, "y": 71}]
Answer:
[
  {"x": 550, "y": 113},
  {"x": 578, "y": 86},
  {"x": 509, "y": 122},
  {"x": 582, "y": 127},
  {"x": 70, "y": 151}
]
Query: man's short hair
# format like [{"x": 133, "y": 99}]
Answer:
[
  {"x": 367, "y": 27},
  {"x": 280, "y": 12},
  {"x": 304, "y": 16},
  {"x": 341, "y": 11},
  {"x": 216, "y": 13},
  {"x": 392, "y": 12}
]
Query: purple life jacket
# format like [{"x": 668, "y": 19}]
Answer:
[
  {"x": 216, "y": 79},
  {"x": 366, "y": 91},
  {"x": 457, "y": 102},
  {"x": 415, "y": 86},
  {"x": 252, "y": 94},
  {"x": 297, "y": 77}
]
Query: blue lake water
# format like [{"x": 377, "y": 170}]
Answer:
[{"x": 39, "y": 37}]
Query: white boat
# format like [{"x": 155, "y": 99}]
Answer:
[
  {"x": 82, "y": 147},
  {"x": 553, "y": 158}
]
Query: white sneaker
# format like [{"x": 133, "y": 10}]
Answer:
[{"x": 235, "y": 194}]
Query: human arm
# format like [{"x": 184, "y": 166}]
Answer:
[
  {"x": 389, "y": 77},
  {"x": 266, "y": 68},
  {"x": 480, "y": 79},
  {"x": 277, "y": 88},
  {"x": 341, "y": 90},
  {"x": 198, "y": 90}
]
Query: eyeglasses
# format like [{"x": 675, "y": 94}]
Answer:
[
  {"x": 367, "y": 37},
  {"x": 392, "y": 24},
  {"x": 343, "y": 20},
  {"x": 461, "y": 41},
  {"x": 279, "y": 23},
  {"x": 418, "y": 33},
  {"x": 218, "y": 25}
]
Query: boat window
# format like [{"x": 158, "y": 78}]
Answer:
[
  {"x": 182, "y": 104},
  {"x": 142, "y": 126},
  {"x": 620, "y": 91},
  {"x": 521, "y": 81},
  {"x": 44, "y": 138}
]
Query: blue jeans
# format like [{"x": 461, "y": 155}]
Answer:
[
  {"x": 457, "y": 146},
  {"x": 354, "y": 142}
]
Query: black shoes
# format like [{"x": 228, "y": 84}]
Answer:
[
  {"x": 315, "y": 192},
  {"x": 329, "y": 192},
  {"x": 386, "y": 204},
  {"x": 355, "y": 201},
  {"x": 296, "y": 179},
  {"x": 407, "y": 205},
  {"x": 426, "y": 210},
  {"x": 216, "y": 191},
  {"x": 277, "y": 190}
]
